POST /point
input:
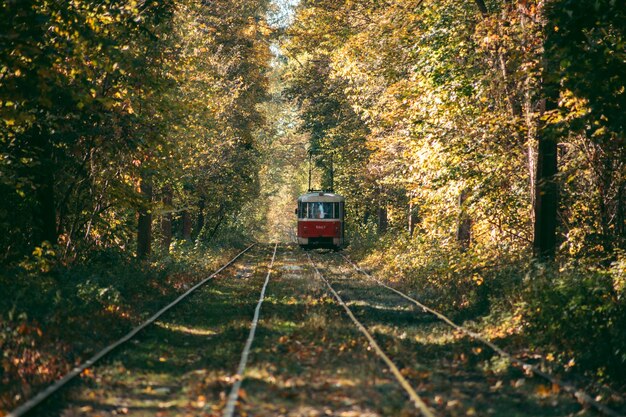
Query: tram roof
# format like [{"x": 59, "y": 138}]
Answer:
[{"x": 322, "y": 196}]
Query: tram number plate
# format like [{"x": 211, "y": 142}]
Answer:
[{"x": 320, "y": 227}]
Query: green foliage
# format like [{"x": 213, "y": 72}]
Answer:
[
  {"x": 429, "y": 111},
  {"x": 464, "y": 284},
  {"x": 97, "y": 97},
  {"x": 51, "y": 320},
  {"x": 71, "y": 96},
  {"x": 586, "y": 39},
  {"x": 580, "y": 314},
  {"x": 422, "y": 102},
  {"x": 97, "y": 100},
  {"x": 437, "y": 107}
]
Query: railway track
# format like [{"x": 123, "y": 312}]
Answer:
[
  {"x": 280, "y": 332},
  {"x": 229, "y": 410},
  {"x": 34, "y": 402},
  {"x": 354, "y": 297},
  {"x": 579, "y": 394},
  {"x": 293, "y": 350},
  {"x": 415, "y": 398}
]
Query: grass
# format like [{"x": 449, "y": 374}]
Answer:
[{"x": 62, "y": 315}]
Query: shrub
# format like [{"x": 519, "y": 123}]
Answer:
[{"x": 581, "y": 314}]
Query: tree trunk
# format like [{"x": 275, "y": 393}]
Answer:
[
  {"x": 546, "y": 189},
  {"x": 546, "y": 186},
  {"x": 47, "y": 207},
  {"x": 200, "y": 222},
  {"x": 366, "y": 216},
  {"x": 144, "y": 226},
  {"x": 464, "y": 227},
  {"x": 481, "y": 6},
  {"x": 166, "y": 220},
  {"x": 383, "y": 222},
  {"x": 186, "y": 225}
]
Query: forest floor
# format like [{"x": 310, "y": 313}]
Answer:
[{"x": 308, "y": 358}]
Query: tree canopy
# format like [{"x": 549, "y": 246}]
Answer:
[
  {"x": 98, "y": 97},
  {"x": 446, "y": 101},
  {"x": 480, "y": 146}
]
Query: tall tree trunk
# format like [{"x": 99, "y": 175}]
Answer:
[
  {"x": 166, "y": 220},
  {"x": 546, "y": 191},
  {"x": 46, "y": 206},
  {"x": 383, "y": 221},
  {"x": 546, "y": 186},
  {"x": 45, "y": 211},
  {"x": 186, "y": 225},
  {"x": 200, "y": 222},
  {"x": 464, "y": 227},
  {"x": 144, "y": 226}
]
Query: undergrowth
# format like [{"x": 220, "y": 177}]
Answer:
[
  {"x": 58, "y": 314},
  {"x": 579, "y": 313},
  {"x": 573, "y": 313}
]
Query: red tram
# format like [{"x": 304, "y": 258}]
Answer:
[{"x": 320, "y": 220}]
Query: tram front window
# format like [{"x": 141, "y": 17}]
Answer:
[{"x": 322, "y": 211}]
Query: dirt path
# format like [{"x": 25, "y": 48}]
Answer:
[{"x": 307, "y": 359}]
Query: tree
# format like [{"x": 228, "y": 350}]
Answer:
[{"x": 95, "y": 93}]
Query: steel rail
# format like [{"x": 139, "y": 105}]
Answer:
[
  {"x": 579, "y": 394},
  {"x": 229, "y": 410},
  {"x": 417, "y": 400},
  {"x": 42, "y": 395}
]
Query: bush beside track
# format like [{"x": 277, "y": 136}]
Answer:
[
  {"x": 573, "y": 315},
  {"x": 57, "y": 315}
]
